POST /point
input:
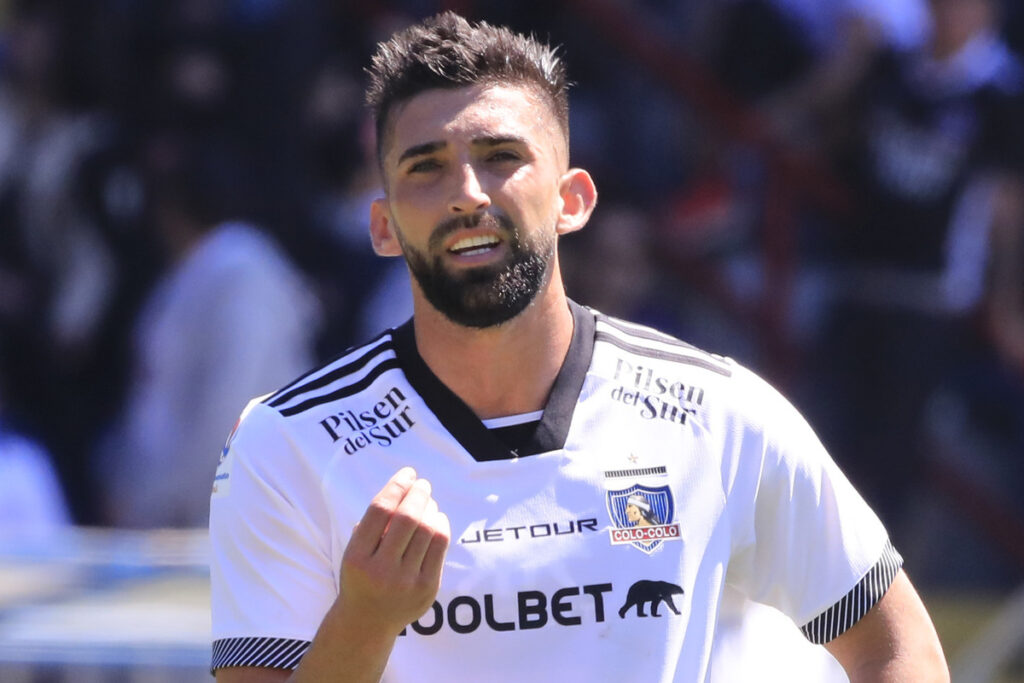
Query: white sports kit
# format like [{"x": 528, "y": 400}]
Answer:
[{"x": 597, "y": 549}]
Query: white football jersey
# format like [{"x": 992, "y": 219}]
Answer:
[{"x": 657, "y": 475}]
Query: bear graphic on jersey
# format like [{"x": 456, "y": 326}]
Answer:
[{"x": 654, "y": 592}]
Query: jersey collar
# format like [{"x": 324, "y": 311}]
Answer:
[{"x": 467, "y": 428}]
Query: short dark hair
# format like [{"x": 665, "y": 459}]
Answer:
[{"x": 446, "y": 51}]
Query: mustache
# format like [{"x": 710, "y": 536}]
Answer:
[{"x": 497, "y": 222}]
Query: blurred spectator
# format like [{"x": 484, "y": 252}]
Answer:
[
  {"x": 341, "y": 161},
  {"x": 610, "y": 265},
  {"x": 32, "y": 503},
  {"x": 937, "y": 133},
  {"x": 56, "y": 272},
  {"x": 31, "y": 499},
  {"x": 1006, "y": 301},
  {"x": 800, "y": 59},
  {"x": 232, "y": 319}
]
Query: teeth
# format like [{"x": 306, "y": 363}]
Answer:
[{"x": 476, "y": 245}]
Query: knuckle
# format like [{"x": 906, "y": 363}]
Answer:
[
  {"x": 404, "y": 519},
  {"x": 379, "y": 506}
]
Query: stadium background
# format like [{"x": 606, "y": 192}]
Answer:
[{"x": 720, "y": 194}]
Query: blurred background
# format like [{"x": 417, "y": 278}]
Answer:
[{"x": 830, "y": 192}]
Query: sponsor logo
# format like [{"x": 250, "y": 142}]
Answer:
[
  {"x": 653, "y": 396},
  {"x": 227, "y": 441},
  {"x": 222, "y": 479},
  {"x": 516, "y": 533},
  {"x": 388, "y": 419},
  {"x": 643, "y": 516},
  {"x": 653, "y": 593},
  {"x": 533, "y": 609}
]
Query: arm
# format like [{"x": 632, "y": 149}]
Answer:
[
  {"x": 390, "y": 575},
  {"x": 894, "y": 641}
]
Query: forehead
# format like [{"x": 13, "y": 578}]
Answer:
[{"x": 473, "y": 112}]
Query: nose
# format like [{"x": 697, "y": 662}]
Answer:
[{"x": 468, "y": 195}]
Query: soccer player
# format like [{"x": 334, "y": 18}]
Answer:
[{"x": 537, "y": 422}]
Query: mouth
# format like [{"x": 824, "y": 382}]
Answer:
[{"x": 476, "y": 245}]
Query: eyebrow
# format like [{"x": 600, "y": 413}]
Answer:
[
  {"x": 486, "y": 141},
  {"x": 420, "y": 150},
  {"x": 494, "y": 141}
]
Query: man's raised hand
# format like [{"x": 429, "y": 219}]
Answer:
[
  {"x": 390, "y": 575},
  {"x": 391, "y": 569}
]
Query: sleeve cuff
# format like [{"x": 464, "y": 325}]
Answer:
[
  {"x": 274, "y": 653},
  {"x": 838, "y": 618}
]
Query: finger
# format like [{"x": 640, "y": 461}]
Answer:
[
  {"x": 421, "y": 538},
  {"x": 433, "y": 560},
  {"x": 405, "y": 520},
  {"x": 367, "y": 534}
]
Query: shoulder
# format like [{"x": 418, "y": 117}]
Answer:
[
  {"x": 642, "y": 343},
  {"x": 645, "y": 355},
  {"x": 299, "y": 414},
  {"x": 347, "y": 375},
  {"x": 726, "y": 394}
]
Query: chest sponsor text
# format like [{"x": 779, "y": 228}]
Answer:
[{"x": 388, "y": 419}]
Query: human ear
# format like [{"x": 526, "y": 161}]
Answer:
[
  {"x": 382, "y": 231},
  {"x": 579, "y": 197}
]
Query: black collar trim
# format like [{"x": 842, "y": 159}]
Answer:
[{"x": 467, "y": 428}]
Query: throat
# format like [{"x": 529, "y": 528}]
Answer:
[{"x": 503, "y": 370}]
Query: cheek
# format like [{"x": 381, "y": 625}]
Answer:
[
  {"x": 537, "y": 201},
  {"x": 413, "y": 197},
  {"x": 412, "y": 207}
]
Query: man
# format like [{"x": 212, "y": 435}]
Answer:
[{"x": 536, "y": 420}]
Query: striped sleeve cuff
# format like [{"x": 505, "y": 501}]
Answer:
[
  {"x": 838, "y": 618},
  {"x": 274, "y": 653}
]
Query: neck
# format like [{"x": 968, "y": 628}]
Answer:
[{"x": 502, "y": 370}]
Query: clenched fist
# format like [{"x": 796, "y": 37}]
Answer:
[
  {"x": 390, "y": 575},
  {"x": 391, "y": 569}
]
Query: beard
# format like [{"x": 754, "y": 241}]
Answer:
[{"x": 489, "y": 295}]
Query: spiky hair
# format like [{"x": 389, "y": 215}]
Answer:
[{"x": 446, "y": 51}]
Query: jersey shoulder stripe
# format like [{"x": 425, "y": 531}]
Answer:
[
  {"x": 274, "y": 653},
  {"x": 838, "y": 618},
  {"x": 344, "y": 390},
  {"x": 650, "y": 343},
  {"x": 332, "y": 371}
]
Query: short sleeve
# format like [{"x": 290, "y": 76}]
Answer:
[
  {"x": 812, "y": 547},
  {"x": 272, "y": 577}
]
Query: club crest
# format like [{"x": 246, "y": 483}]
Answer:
[{"x": 643, "y": 516}]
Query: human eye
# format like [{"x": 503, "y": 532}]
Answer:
[
  {"x": 423, "y": 166},
  {"x": 501, "y": 155}
]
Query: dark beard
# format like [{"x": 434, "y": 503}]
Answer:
[{"x": 489, "y": 295}]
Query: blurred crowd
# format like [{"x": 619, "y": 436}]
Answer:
[{"x": 830, "y": 192}]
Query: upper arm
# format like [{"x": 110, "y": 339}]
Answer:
[
  {"x": 805, "y": 535},
  {"x": 271, "y": 569},
  {"x": 894, "y": 641},
  {"x": 252, "y": 674}
]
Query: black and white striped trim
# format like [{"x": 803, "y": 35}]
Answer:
[
  {"x": 838, "y": 618},
  {"x": 311, "y": 379},
  {"x": 316, "y": 389},
  {"x": 274, "y": 653},
  {"x": 636, "y": 472},
  {"x": 645, "y": 341}
]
